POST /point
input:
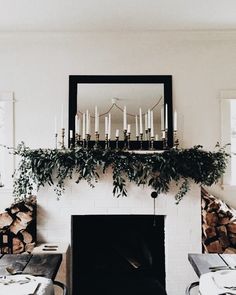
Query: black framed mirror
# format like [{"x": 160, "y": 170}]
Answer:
[{"x": 114, "y": 93}]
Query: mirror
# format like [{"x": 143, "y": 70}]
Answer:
[{"x": 112, "y": 95}]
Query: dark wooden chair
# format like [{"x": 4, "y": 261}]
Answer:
[
  {"x": 62, "y": 286},
  {"x": 190, "y": 287}
]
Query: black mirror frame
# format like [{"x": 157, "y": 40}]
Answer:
[{"x": 123, "y": 79}]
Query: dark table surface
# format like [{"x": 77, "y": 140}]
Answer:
[
  {"x": 45, "y": 265},
  {"x": 201, "y": 263}
]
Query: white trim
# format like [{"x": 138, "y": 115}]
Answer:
[{"x": 7, "y": 137}]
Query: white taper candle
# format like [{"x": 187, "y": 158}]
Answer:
[
  {"x": 129, "y": 128},
  {"x": 109, "y": 126},
  {"x": 175, "y": 121},
  {"x": 125, "y": 119},
  {"x": 136, "y": 125},
  {"x": 166, "y": 117},
  {"x": 117, "y": 132},
  {"x": 106, "y": 125},
  {"x": 140, "y": 121},
  {"x": 149, "y": 119},
  {"x": 152, "y": 124},
  {"x": 84, "y": 126},
  {"x": 162, "y": 118}
]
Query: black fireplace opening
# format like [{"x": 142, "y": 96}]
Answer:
[{"x": 118, "y": 255}]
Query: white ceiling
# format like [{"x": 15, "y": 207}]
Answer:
[{"x": 116, "y": 15}]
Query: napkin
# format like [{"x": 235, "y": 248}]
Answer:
[
  {"x": 25, "y": 285},
  {"x": 215, "y": 283}
]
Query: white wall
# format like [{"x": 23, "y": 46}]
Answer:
[{"x": 36, "y": 67}]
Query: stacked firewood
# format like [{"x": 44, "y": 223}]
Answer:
[
  {"x": 18, "y": 227},
  {"x": 218, "y": 225}
]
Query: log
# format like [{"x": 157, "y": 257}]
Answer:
[
  {"x": 231, "y": 227},
  {"x": 214, "y": 247},
  {"x": 230, "y": 250},
  {"x": 211, "y": 218},
  {"x": 5, "y": 220}
]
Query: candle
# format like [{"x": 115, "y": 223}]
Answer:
[
  {"x": 96, "y": 119},
  {"x": 166, "y": 118},
  {"x": 152, "y": 124},
  {"x": 83, "y": 133},
  {"x": 87, "y": 122},
  {"x": 55, "y": 125},
  {"x": 109, "y": 126},
  {"x": 76, "y": 123},
  {"x": 156, "y": 137},
  {"x": 140, "y": 121},
  {"x": 175, "y": 121},
  {"x": 117, "y": 132},
  {"x": 149, "y": 119},
  {"x": 162, "y": 118},
  {"x": 106, "y": 125},
  {"x": 136, "y": 123},
  {"x": 71, "y": 134},
  {"x": 62, "y": 116},
  {"x": 79, "y": 126},
  {"x": 163, "y": 134},
  {"x": 97, "y": 122},
  {"x": 146, "y": 122},
  {"x": 129, "y": 128},
  {"x": 125, "y": 119}
]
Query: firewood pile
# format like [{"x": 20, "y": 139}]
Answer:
[
  {"x": 18, "y": 227},
  {"x": 218, "y": 225}
]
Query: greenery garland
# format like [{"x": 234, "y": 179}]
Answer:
[{"x": 38, "y": 167}]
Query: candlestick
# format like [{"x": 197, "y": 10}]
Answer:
[
  {"x": 166, "y": 118},
  {"x": 117, "y": 132},
  {"x": 125, "y": 140},
  {"x": 56, "y": 135},
  {"x": 140, "y": 121},
  {"x": 63, "y": 138},
  {"x": 149, "y": 119},
  {"x": 128, "y": 140},
  {"x": 125, "y": 119},
  {"x": 106, "y": 142},
  {"x": 136, "y": 125},
  {"x": 175, "y": 121},
  {"x": 164, "y": 140},
  {"x": 71, "y": 138},
  {"x": 76, "y": 123},
  {"x": 141, "y": 141},
  {"x": 128, "y": 128},
  {"x": 97, "y": 122},
  {"x": 176, "y": 141},
  {"x": 106, "y": 126},
  {"x": 79, "y": 126},
  {"x": 95, "y": 119},
  {"x": 152, "y": 124},
  {"x": 87, "y": 140},
  {"x": 77, "y": 139},
  {"x": 117, "y": 141},
  {"x": 84, "y": 126},
  {"x": 96, "y": 140},
  {"x": 109, "y": 126}
]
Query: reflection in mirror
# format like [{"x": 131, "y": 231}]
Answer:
[{"x": 112, "y": 101}]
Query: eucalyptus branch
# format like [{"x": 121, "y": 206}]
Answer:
[{"x": 54, "y": 166}]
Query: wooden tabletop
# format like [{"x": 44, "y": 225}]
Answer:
[
  {"x": 201, "y": 263},
  {"x": 45, "y": 265}
]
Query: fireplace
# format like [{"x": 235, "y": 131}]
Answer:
[{"x": 118, "y": 254}]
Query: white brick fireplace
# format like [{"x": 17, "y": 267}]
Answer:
[{"x": 182, "y": 222}]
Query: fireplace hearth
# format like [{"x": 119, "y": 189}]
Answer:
[{"x": 118, "y": 254}]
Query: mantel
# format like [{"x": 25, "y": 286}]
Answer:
[{"x": 154, "y": 169}]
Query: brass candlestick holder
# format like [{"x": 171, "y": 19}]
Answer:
[
  {"x": 141, "y": 141},
  {"x": 164, "y": 139},
  {"x": 62, "y": 138},
  {"x": 117, "y": 143},
  {"x": 125, "y": 140},
  {"x": 106, "y": 142},
  {"x": 96, "y": 140},
  {"x": 88, "y": 136},
  {"x": 128, "y": 140},
  {"x": 176, "y": 140},
  {"x": 149, "y": 138},
  {"x": 77, "y": 139},
  {"x": 152, "y": 143}
]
